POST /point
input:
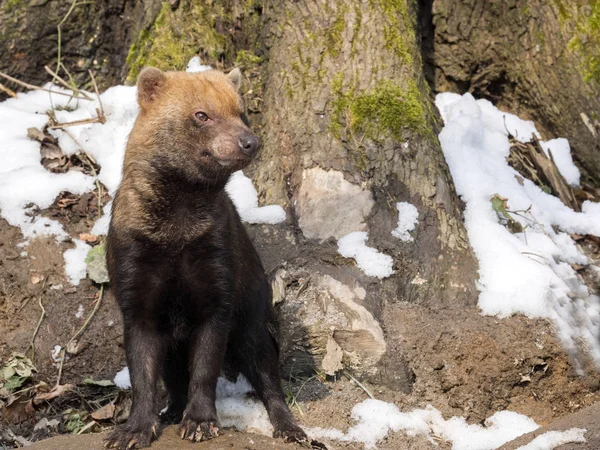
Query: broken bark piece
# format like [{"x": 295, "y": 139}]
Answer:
[{"x": 530, "y": 160}]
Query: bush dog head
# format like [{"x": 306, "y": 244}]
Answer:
[{"x": 194, "y": 123}]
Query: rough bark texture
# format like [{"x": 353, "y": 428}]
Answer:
[
  {"x": 343, "y": 94},
  {"x": 348, "y": 132},
  {"x": 95, "y": 35},
  {"x": 535, "y": 58}
]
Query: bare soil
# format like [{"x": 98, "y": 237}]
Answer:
[{"x": 462, "y": 363}]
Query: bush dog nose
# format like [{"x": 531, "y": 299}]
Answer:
[{"x": 248, "y": 144}]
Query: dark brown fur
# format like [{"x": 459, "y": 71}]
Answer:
[{"x": 190, "y": 285}]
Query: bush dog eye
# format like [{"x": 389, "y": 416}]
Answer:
[{"x": 201, "y": 117}]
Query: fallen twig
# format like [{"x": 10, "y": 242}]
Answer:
[
  {"x": 7, "y": 90},
  {"x": 90, "y": 317},
  {"x": 76, "y": 122},
  {"x": 65, "y": 84},
  {"x": 38, "y": 88},
  {"x": 100, "y": 113},
  {"x": 87, "y": 427},
  {"x": 39, "y": 323},
  {"x": 60, "y": 368},
  {"x": 362, "y": 386}
]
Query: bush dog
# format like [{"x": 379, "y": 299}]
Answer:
[{"x": 189, "y": 283}]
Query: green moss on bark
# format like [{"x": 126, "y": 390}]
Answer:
[
  {"x": 386, "y": 110},
  {"x": 247, "y": 60},
  {"x": 584, "y": 17},
  {"x": 176, "y": 37},
  {"x": 587, "y": 41},
  {"x": 333, "y": 35},
  {"x": 398, "y": 31},
  {"x": 13, "y": 4}
]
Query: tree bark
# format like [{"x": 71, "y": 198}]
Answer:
[
  {"x": 534, "y": 58},
  {"x": 94, "y": 35},
  {"x": 334, "y": 79},
  {"x": 349, "y": 130}
]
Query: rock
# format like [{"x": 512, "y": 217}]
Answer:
[
  {"x": 588, "y": 418},
  {"x": 328, "y": 205}
]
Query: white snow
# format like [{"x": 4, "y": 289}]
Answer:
[
  {"x": 552, "y": 439},
  {"x": 195, "y": 65},
  {"x": 527, "y": 272},
  {"x": 375, "y": 419},
  {"x": 75, "y": 266},
  {"x": 235, "y": 407},
  {"x": 25, "y": 183},
  {"x": 79, "y": 313},
  {"x": 408, "y": 217},
  {"x": 121, "y": 379},
  {"x": 560, "y": 150},
  {"x": 368, "y": 259},
  {"x": 245, "y": 198},
  {"x": 56, "y": 353},
  {"x": 101, "y": 225}
]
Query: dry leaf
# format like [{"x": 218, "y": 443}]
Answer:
[
  {"x": 104, "y": 413},
  {"x": 17, "y": 412},
  {"x": 89, "y": 238},
  {"x": 35, "y": 133},
  {"x": 75, "y": 347},
  {"x": 57, "y": 391}
]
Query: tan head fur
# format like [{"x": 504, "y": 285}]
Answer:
[{"x": 191, "y": 124}]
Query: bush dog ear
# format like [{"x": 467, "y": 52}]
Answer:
[
  {"x": 235, "y": 76},
  {"x": 149, "y": 83}
]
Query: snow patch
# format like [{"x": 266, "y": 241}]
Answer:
[
  {"x": 245, "y": 198},
  {"x": 235, "y": 408},
  {"x": 195, "y": 65},
  {"x": 552, "y": 439},
  {"x": 375, "y": 419},
  {"x": 407, "y": 221},
  {"x": 75, "y": 266},
  {"x": 121, "y": 379},
  {"x": 101, "y": 225},
  {"x": 368, "y": 259},
  {"x": 79, "y": 313},
  {"x": 26, "y": 184},
  {"x": 527, "y": 272},
  {"x": 560, "y": 150}
]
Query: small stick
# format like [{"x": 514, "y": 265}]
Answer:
[
  {"x": 101, "y": 113},
  {"x": 91, "y": 162},
  {"x": 37, "y": 88},
  {"x": 60, "y": 368},
  {"x": 90, "y": 159},
  {"x": 88, "y": 320},
  {"x": 364, "y": 388},
  {"x": 39, "y": 323},
  {"x": 7, "y": 90},
  {"x": 65, "y": 84},
  {"x": 76, "y": 122}
]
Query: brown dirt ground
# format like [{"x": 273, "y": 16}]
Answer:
[{"x": 464, "y": 364}]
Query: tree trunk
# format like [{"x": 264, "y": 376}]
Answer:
[
  {"x": 349, "y": 130},
  {"x": 344, "y": 101},
  {"x": 534, "y": 58}
]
